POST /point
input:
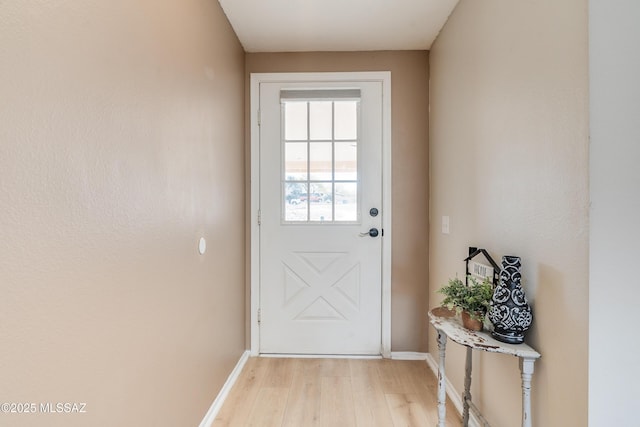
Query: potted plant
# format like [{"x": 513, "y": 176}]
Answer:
[{"x": 471, "y": 300}]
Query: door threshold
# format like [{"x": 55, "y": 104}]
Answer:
[{"x": 322, "y": 356}]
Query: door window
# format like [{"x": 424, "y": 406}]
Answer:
[{"x": 320, "y": 140}]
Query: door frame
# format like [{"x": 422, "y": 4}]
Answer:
[{"x": 256, "y": 79}]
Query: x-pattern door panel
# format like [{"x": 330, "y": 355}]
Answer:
[{"x": 321, "y": 286}]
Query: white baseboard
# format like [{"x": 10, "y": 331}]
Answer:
[
  {"x": 453, "y": 395},
  {"x": 208, "y": 419},
  {"x": 408, "y": 355}
]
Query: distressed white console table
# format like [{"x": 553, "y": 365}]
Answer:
[{"x": 448, "y": 326}]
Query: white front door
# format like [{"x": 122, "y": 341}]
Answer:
[{"x": 320, "y": 217}]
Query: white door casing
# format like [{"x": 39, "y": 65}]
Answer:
[{"x": 320, "y": 287}]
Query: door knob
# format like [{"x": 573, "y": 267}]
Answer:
[{"x": 373, "y": 232}]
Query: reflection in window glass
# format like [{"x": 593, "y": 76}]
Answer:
[{"x": 295, "y": 121}]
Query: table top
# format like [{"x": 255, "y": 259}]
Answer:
[{"x": 445, "y": 321}]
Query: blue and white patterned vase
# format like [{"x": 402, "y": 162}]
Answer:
[{"x": 509, "y": 311}]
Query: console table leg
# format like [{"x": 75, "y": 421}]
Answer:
[
  {"x": 466, "y": 397},
  {"x": 442, "y": 394},
  {"x": 527, "y": 373}
]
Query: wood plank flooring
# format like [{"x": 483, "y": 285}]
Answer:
[{"x": 292, "y": 392}]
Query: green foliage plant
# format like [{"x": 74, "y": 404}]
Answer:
[{"x": 473, "y": 298}]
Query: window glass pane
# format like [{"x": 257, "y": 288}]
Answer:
[
  {"x": 322, "y": 191},
  {"x": 320, "y": 120},
  {"x": 346, "y": 154},
  {"x": 295, "y": 161},
  {"x": 320, "y": 208},
  {"x": 320, "y": 161},
  {"x": 346, "y": 201},
  {"x": 346, "y": 120},
  {"x": 295, "y": 121},
  {"x": 295, "y": 208}
]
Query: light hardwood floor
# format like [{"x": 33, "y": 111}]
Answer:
[{"x": 333, "y": 393}]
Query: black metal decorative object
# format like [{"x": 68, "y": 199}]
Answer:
[{"x": 510, "y": 312}]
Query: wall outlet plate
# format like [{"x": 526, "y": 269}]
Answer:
[{"x": 445, "y": 224}]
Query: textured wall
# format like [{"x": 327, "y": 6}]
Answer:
[
  {"x": 409, "y": 115},
  {"x": 614, "y": 67},
  {"x": 509, "y": 166},
  {"x": 121, "y": 144}
]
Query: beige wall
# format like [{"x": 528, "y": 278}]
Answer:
[
  {"x": 121, "y": 144},
  {"x": 509, "y": 165},
  {"x": 409, "y": 94}
]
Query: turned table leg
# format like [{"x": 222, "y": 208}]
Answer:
[
  {"x": 442, "y": 394},
  {"x": 466, "y": 397},
  {"x": 527, "y": 372}
]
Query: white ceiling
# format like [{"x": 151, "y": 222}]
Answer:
[{"x": 336, "y": 25}]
